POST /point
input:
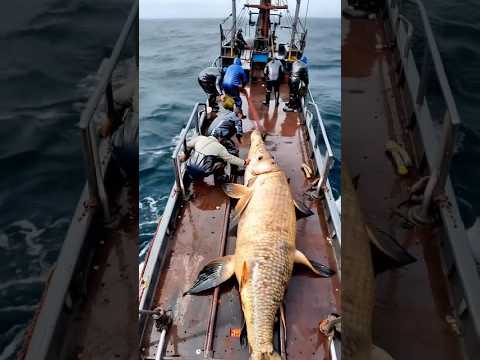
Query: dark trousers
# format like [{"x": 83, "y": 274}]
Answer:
[
  {"x": 294, "y": 88},
  {"x": 193, "y": 173},
  {"x": 275, "y": 86},
  {"x": 212, "y": 93}
]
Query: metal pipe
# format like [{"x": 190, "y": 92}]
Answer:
[
  {"x": 446, "y": 151},
  {"x": 91, "y": 174},
  {"x": 214, "y": 304},
  {"x": 97, "y": 168},
  {"x": 161, "y": 344},
  {"x": 136, "y": 40},
  {"x": 234, "y": 22},
  {"x": 110, "y": 103},
  {"x": 295, "y": 23},
  {"x": 422, "y": 85}
]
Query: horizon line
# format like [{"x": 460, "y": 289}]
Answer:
[{"x": 217, "y": 18}]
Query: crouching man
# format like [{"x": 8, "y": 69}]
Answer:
[{"x": 206, "y": 156}]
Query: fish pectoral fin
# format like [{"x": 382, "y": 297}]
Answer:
[
  {"x": 236, "y": 191},
  {"x": 213, "y": 274},
  {"x": 316, "y": 267},
  {"x": 240, "y": 207},
  {"x": 301, "y": 210}
]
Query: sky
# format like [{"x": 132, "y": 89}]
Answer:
[{"x": 221, "y": 8}]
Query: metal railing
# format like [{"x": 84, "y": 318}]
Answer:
[
  {"x": 458, "y": 255},
  {"x": 194, "y": 122},
  {"x": 150, "y": 272},
  {"x": 104, "y": 88},
  {"x": 45, "y": 332},
  {"x": 440, "y": 165},
  {"x": 324, "y": 159},
  {"x": 319, "y": 140}
]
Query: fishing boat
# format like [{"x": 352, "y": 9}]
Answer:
[
  {"x": 192, "y": 232},
  {"x": 91, "y": 282},
  {"x": 430, "y": 306}
]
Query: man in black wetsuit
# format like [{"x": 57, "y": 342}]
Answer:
[
  {"x": 227, "y": 124},
  {"x": 240, "y": 42},
  {"x": 298, "y": 84},
  {"x": 210, "y": 80}
]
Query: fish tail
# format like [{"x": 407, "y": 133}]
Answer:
[{"x": 265, "y": 356}]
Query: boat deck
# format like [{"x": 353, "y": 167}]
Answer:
[
  {"x": 413, "y": 312},
  {"x": 197, "y": 240}
]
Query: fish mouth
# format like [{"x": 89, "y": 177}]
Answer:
[{"x": 263, "y": 172}]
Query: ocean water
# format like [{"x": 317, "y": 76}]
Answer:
[
  {"x": 50, "y": 53},
  {"x": 457, "y": 29},
  {"x": 172, "y": 53}
]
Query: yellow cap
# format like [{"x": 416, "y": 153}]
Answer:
[
  {"x": 228, "y": 103},
  {"x": 402, "y": 170}
]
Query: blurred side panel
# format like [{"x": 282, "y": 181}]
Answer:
[
  {"x": 399, "y": 132},
  {"x": 70, "y": 136}
]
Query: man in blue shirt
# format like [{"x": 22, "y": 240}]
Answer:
[{"x": 233, "y": 82}]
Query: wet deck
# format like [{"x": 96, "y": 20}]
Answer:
[
  {"x": 412, "y": 304},
  {"x": 197, "y": 240},
  {"x": 104, "y": 327}
]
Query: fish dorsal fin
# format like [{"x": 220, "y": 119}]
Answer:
[
  {"x": 236, "y": 191},
  {"x": 301, "y": 210}
]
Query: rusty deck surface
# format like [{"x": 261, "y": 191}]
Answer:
[
  {"x": 103, "y": 326},
  {"x": 412, "y": 304},
  {"x": 197, "y": 239}
]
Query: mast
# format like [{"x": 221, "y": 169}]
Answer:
[
  {"x": 234, "y": 20},
  {"x": 295, "y": 23},
  {"x": 263, "y": 24},
  {"x": 264, "y": 17}
]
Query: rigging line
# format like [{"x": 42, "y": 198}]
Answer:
[{"x": 306, "y": 13}]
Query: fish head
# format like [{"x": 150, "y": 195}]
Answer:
[{"x": 261, "y": 161}]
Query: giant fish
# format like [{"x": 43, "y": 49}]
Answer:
[{"x": 265, "y": 248}]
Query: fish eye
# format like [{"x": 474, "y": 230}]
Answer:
[{"x": 260, "y": 157}]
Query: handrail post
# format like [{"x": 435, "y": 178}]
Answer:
[
  {"x": 422, "y": 85},
  {"x": 111, "y": 113},
  {"x": 90, "y": 168},
  {"x": 136, "y": 39},
  {"x": 97, "y": 168},
  {"x": 445, "y": 155}
]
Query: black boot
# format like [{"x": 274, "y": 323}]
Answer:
[{"x": 267, "y": 99}]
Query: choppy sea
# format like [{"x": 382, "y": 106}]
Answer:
[{"x": 51, "y": 51}]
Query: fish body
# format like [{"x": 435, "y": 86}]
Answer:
[{"x": 265, "y": 250}]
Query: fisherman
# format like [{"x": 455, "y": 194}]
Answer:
[
  {"x": 206, "y": 156},
  {"x": 226, "y": 125},
  {"x": 240, "y": 43},
  {"x": 273, "y": 74},
  {"x": 210, "y": 80},
  {"x": 298, "y": 84},
  {"x": 234, "y": 81}
]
